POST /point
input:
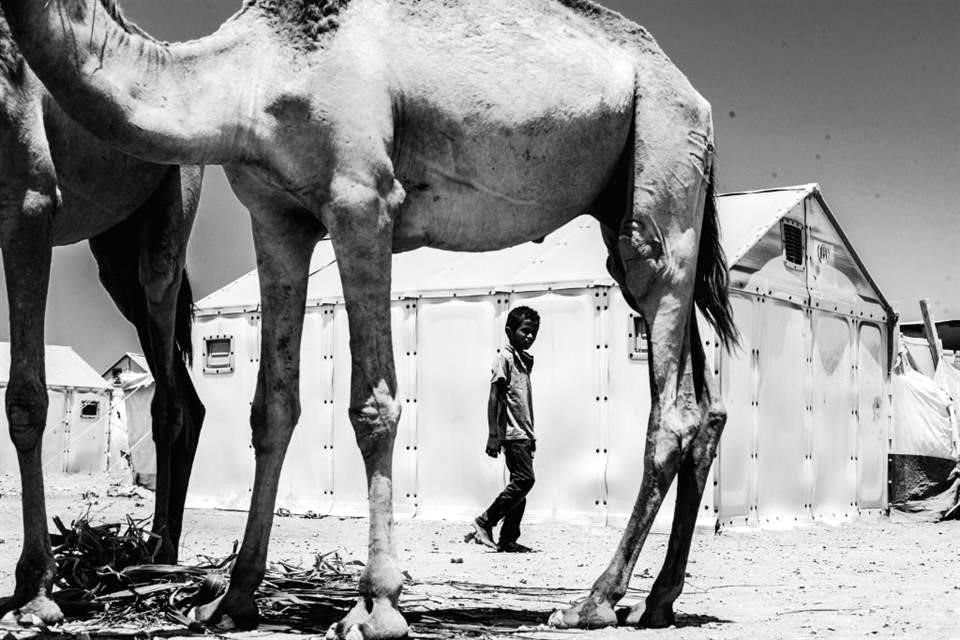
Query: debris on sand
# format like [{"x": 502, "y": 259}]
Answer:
[
  {"x": 106, "y": 587},
  {"x": 105, "y": 581}
]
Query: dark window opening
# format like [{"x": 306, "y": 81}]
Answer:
[
  {"x": 89, "y": 409},
  {"x": 792, "y": 234},
  {"x": 218, "y": 354},
  {"x": 639, "y": 347}
]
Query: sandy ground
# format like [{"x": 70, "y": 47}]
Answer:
[{"x": 894, "y": 578}]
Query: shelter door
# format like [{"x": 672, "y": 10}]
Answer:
[
  {"x": 782, "y": 399},
  {"x": 872, "y": 414}
]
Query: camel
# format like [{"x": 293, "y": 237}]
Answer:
[
  {"x": 397, "y": 124},
  {"x": 60, "y": 185}
]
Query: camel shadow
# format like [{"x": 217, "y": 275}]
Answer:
[{"x": 472, "y": 621}]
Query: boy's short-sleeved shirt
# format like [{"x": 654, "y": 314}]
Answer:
[{"x": 516, "y": 415}]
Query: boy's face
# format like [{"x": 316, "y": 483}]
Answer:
[{"x": 524, "y": 335}]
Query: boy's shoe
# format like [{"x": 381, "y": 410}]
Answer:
[
  {"x": 513, "y": 547},
  {"x": 483, "y": 533}
]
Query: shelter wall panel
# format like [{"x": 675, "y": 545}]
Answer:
[
  {"x": 349, "y": 474},
  {"x": 872, "y": 414},
  {"x": 56, "y": 436},
  {"x": 143, "y": 452},
  {"x": 834, "y": 426},
  {"x": 736, "y": 463},
  {"x": 567, "y": 402},
  {"x": 629, "y": 413},
  {"x": 223, "y": 476},
  {"x": 404, "y": 327},
  {"x": 305, "y": 482},
  {"x": 87, "y": 446},
  {"x": 456, "y": 343},
  {"x": 782, "y": 344}
]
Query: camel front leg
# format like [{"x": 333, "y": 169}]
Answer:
[
  {"x": 360, "y": 225},
  {"x": 284, "y": 241},
  {"x": 25, "y": 236}
]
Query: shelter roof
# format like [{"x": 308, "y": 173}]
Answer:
[
  {"x": 745, "y": 216},
  {"x": 137, "y": 358},
  {"x": 64, "y": 367},
  {"x": 573, "y": 256}
]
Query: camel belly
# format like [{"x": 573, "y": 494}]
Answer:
[{"x": 477, "y": 190}]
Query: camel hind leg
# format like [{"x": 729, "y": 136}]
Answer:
[
  {"x": 141, "y": 264},
  {"x": 657, "y": 611},
  {"x": 653, "y": 256}
]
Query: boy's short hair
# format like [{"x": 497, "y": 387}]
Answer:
[{"x": 518, "y": 314}]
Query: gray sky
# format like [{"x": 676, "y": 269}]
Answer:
[{"x": 862, "y": 96}]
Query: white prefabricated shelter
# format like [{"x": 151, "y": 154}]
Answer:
[
  {"x": 77, "y": 438},
  {"x": 134, "y": 387},
  {"x": 807, "y": 393}
]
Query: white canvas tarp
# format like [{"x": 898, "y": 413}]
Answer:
[
  {"x": 923, "y": 424},
  {"x": 947, "y": 377}
]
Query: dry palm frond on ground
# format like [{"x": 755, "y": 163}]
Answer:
[{"x": 107, "y": 585}]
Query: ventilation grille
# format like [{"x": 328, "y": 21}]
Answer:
[{"x": 792, "y": 235}]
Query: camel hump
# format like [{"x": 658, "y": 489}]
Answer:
[
  {"x": 614, "y": 24},
  {"x": 309, "y": 18}
]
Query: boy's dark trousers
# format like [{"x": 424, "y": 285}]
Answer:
[{"x": 509, "y": 505}]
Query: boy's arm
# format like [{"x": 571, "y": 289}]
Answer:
[{"x": 493, "y": 420}]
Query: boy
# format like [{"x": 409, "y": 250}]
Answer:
[{"x": 510, "y": 419}]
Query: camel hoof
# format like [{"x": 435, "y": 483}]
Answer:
[
  {"x": 40, "y": 612},
  {"x": 585, "y": 614},
  {"x": 381, "y": 622},
  {"x": 651, "y": 618},
  {"x": 167, "y": 553},
  {"x": 384, "y": 623},
  {"x": 236, "y": 611}
]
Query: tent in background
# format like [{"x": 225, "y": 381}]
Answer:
[
  {"x": 77, "y": 437},
  {"x": 130, "y": 419}
]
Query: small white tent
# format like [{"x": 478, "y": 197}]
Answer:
[
  {"x": 77, "y": 438},
  {"x": 807, "y": 393},
  {"x": 134, "y": 387}
]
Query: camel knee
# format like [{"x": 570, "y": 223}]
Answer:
[
  {"x": 159, "y": 276},
  {"x": 717, "y": 418},
  {"x": 26, "y": 405},
  {"x": 166, "y": 418},
  {"x": 375, "y": 424},
  {"x": 272, "y": 419},
  {"x": 382, "y": 194}
]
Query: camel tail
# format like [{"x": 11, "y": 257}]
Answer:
[
  {"x": 183, "y": 330},
  {"x": 711, "y": 293}
]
